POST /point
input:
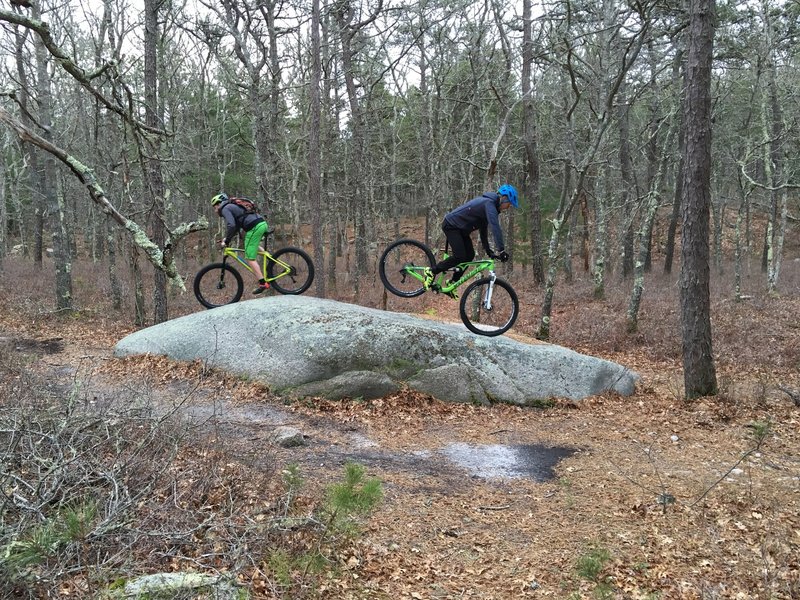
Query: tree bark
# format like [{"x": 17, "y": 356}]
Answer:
[
  {"x": 32, "y": 154},
  {"x": 315, "y": 148},
  {"x": 698, "y": 359},
  {"x": 672, "y": 228},
  {"x": 532, "y": 189},
  {"x": 155, "y": 189},
  {"x": 53, "y": 200}
]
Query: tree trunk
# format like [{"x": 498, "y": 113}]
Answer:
[
  {"x": 774, "y": 163},
  {"x": 648, "y": 217},
  {"x": 626, "y": 175},
  {"x": 113, "y": 275},
  {"x": 652, "y": 151},
  {"x": 600, "y": 241},
  {"x": 698, "y": 360},
  {"x": 3, "y": 211},
  {"x": 718, "y": 214},
  {"x": 530, "y": 141},
  {"x": 139, "y": 318},
  {"x": 315, "y": 149},
  {"x": 31, "y": 153},
  {"x": 356, "y": 192},
  {"x": 155, "y": 189},
  {"x": 55, "y": 205},
  {"x": 678, "y": 196},
  {"x": 738, "y": 244}
]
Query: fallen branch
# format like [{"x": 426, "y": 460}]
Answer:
[{"x": 503, "y": 507}]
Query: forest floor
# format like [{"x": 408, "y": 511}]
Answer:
[{"x": 657, "y": 497}]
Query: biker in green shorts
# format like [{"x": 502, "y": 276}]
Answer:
[{"x": 240, "y": 214}]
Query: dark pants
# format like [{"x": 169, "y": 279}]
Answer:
[{"x": 461, "y": 248}]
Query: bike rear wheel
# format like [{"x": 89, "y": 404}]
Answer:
[
  {"x": 399, "y": 262},
  {"x": 296, "y": 273},
  {"x": 218, "y": 284},
  {"x": 486, "y": 316}
]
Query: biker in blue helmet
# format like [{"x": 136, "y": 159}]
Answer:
[
  {"x": 481, "y": 214},
  {"x": 510, "y": 192}
]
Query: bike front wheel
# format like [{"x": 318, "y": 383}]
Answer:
[
  {"x": 487, "y": 314},
  {"x": 218, "y": 284},
  {"x": 291, "y": 272},
  {"x": 402, "y": 267}
]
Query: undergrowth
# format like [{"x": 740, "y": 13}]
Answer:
[{"x": 96, "y": 490}]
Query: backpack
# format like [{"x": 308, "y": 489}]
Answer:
[{"x": 248, "y": 205}]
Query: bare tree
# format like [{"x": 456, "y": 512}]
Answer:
[{"x": 603, "y": 116}]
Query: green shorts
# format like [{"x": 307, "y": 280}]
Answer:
[{"x": 252, "y": 239}]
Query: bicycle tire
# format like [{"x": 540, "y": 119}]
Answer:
[
  {"x": 495, "y": 321},
  {"x": 297, "y": 279},
  {"x": 210, "y": 288},
  {"x": 395, "y": 258}
]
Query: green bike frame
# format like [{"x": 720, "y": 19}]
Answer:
[
  {"x": 469, "y": 270},
  {"x": 266, "y": 257}
]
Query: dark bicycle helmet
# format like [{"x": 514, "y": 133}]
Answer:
[
  {"x": 510, "y": 192},
  {"x": 223, "y": 197}
]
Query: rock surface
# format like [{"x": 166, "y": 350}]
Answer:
[{"x": 305, "y": 346}]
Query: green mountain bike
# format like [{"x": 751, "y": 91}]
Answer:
[
  {"x": 489, "y": 305},
  {"x": 288, "y": 271}
]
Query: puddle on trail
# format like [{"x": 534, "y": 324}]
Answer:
[{"x": 521, "y": 461}]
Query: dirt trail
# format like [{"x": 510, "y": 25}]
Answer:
[{"x": 474, "y": 507}]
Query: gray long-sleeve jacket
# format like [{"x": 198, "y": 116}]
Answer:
[
  {"x": 479, "y": 213},
  {"x": 237, "y": 218}
]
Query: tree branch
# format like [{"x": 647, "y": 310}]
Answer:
[
  {"x": 42, "y": 29},
  {"x": 162, "y": 260}
]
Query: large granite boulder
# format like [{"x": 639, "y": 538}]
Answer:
[{"x": 304, "y": 346}]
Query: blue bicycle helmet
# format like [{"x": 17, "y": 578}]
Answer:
[{"x": 510, "y": 192}]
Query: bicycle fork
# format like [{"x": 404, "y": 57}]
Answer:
[
  {"x": 221, "y": 282},
  {"x": 487, "y": 298}
]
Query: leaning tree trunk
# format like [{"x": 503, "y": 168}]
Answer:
[
  {"x": 158, "y": 258},
  {"x": 649, "y": 215}
]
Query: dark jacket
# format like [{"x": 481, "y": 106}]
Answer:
[
  {"x": 479, "y": 213},
  {"x": 237, "y": 218}
]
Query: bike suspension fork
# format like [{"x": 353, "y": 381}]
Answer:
[{"x": 487, "y": 299}]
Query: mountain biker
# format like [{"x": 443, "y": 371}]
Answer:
[
  {"x": 254, "y": 227},
  {"x": 479, "y": 213}
]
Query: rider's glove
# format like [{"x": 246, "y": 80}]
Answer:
[{"x": 503, "y": 256}]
